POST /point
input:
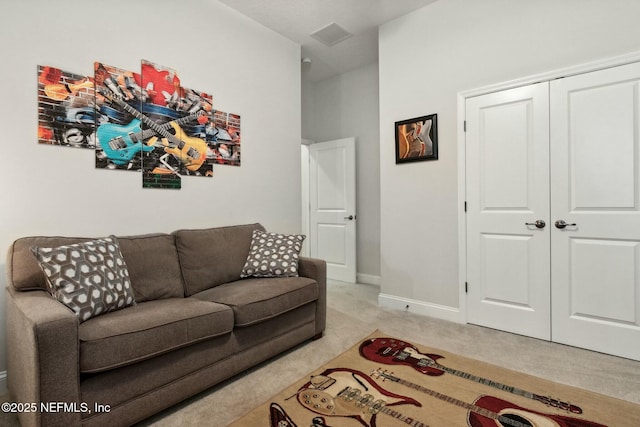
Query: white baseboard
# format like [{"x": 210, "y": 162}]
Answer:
[
  {"x": 3, "y": 383},
  {"x": 443, "y": 312},
  {"x": 368, "y": 279}
]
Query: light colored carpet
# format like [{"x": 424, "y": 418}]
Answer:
[{"x": 353, "y": 313}]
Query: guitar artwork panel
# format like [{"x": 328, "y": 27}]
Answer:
[
  {"x": 65, "y": 108},
  {"x": 120, "y": 143},
  {"x": 177, "y": 151},
  {"x": 224, "y": 137}
]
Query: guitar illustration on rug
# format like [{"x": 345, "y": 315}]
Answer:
[
  {"x": 278, "y": 417},
  {"x": 345, "y": 392},
  {"x": 489, "y": 411},
  {"x": 395, "y": 352}
]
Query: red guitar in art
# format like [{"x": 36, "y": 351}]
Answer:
[
  {"x": 391, "y": 351},
  {"x": 489, "y": 411}
]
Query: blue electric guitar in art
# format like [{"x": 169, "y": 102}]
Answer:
[{"x": 121, "y": 143}]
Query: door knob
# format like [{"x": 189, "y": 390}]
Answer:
[
  {"x": 539, "y": 223},
  {"x": 350, "y": 217},
  {"x": 561, "y": 223}
]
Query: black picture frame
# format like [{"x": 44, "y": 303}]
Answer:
[{"x": 417, "y": 139}]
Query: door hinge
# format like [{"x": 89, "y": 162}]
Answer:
[
  {"x": 465, "y": 206},
  {"x": 466, "y": 287},
  {"x": 465, "y": 125}
]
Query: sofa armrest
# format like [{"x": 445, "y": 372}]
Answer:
[
  {"x": 317, "y": 269},
  {"x": 42, "y": 343}
]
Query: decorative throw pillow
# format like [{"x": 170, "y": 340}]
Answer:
[
  {"x": 90, "y": 278},
  {"x": 273, "y": 255}
]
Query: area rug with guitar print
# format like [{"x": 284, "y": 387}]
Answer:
[{"x": 385, "y": 382}]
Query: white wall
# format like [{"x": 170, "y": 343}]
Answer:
[
  {"x": 346, "y": 106},
  {"x": 248, "y": 69},
  {"x": 426, "y": 59}
]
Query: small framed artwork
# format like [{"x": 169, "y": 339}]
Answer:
[{"x": 417, "y": 139}]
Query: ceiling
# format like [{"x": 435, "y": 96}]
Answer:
[{"x": 298, "y": 19}]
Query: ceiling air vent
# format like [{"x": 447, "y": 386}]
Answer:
[{"x": 331, "y": 34}]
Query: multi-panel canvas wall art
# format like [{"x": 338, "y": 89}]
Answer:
[{"x": 143, "y": 121}]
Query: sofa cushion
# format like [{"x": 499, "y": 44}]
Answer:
[
  {"x": 154, "y": 269},
  {"x": 91, "y": 278},
  {"x": 149, "y": 329},
  {"x": 273, "y": 255},
  {"x": 213, "y": 256},
  {"x": 255, "y": 300}
]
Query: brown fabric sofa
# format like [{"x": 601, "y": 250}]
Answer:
[{"x": 195, "y": 324}]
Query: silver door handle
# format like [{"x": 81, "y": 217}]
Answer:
[
  {"x": 539, "y": 223},
  {"x": 561, "y": 223},
  {"x": 350, "y": 217}
]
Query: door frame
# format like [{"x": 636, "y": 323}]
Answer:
[
  {"x": 462, "y": 155},
  {"x": 304, "y": 189}
]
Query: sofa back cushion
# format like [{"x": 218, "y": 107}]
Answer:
[
  {"x": 154, "y": 269},
  {"x": 152, "y": 262},
  {"x": 213, "y": 256},
  {"x": 90, "y": 278},
  {"x": 23, "y": 270}
]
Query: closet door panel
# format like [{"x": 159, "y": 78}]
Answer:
[
  {"x": 507, "y": 192},
  {"x": 595, "y": 190}
]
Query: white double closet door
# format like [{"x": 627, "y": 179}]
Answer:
[{"x": 553, "y": 210}]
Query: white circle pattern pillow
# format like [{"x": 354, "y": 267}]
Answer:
[{"x": 273, "y": 255}]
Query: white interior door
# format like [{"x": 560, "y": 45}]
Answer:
[
  {"x": 595, "y": 170},
  {"x": 508, "y": 265},
  {"x": 332, "y": 200}
]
